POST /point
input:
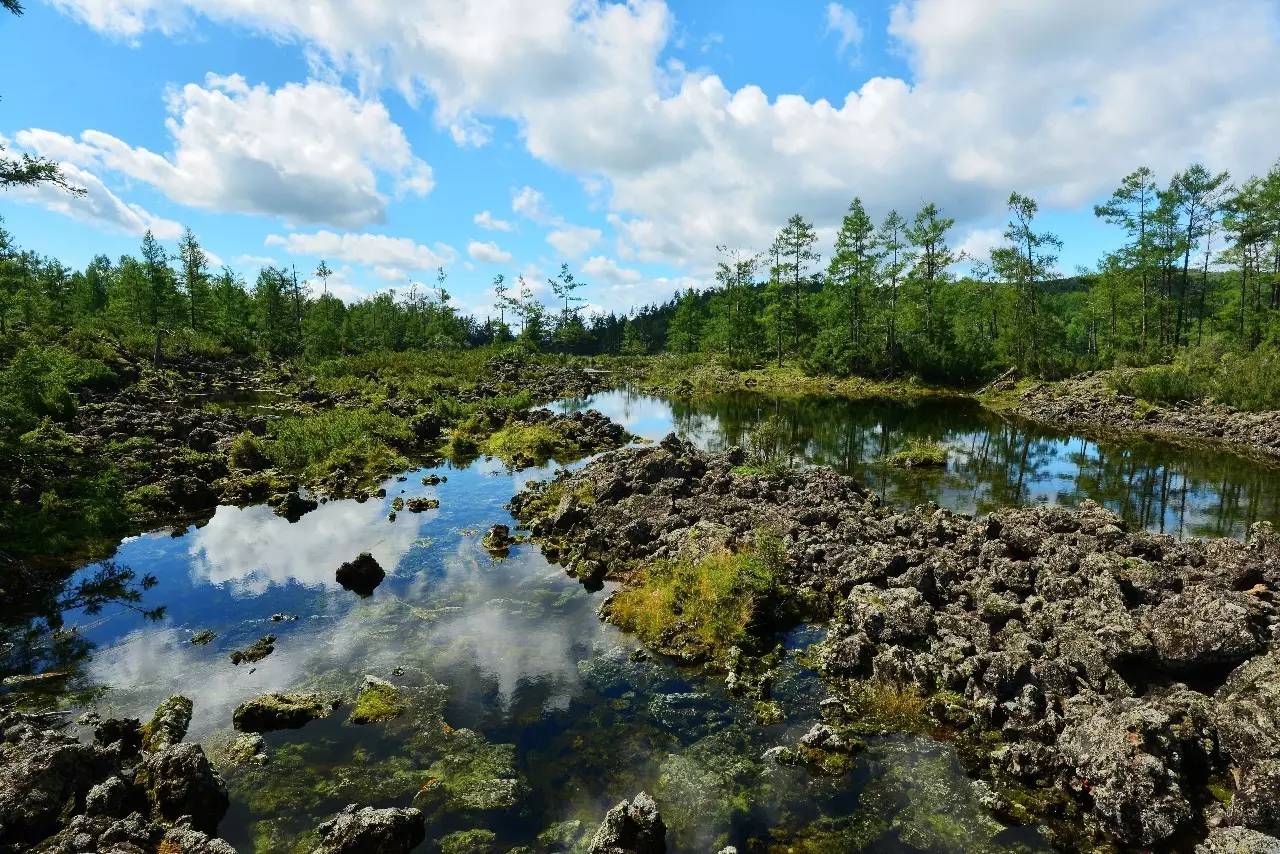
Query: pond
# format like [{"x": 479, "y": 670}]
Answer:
[{"x": 529, "y": 714}]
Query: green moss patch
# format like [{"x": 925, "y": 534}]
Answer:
[
  {"x": 378, "y": 701},
  {"x": 919, "y": 453}
]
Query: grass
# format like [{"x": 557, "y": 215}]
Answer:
[
  {"x": 359, "y": 442},
  {"x": 880, "y": 707},
  {"x": 1248, "y": 381},
  {"x": 528, "y": 444},
  {"x": 919, "y": 453},
  {"x": 699, "y": 609}
]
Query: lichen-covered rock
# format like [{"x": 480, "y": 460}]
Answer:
[
  {"x": 1204, "y": 626},
  {"x": 1248, "y": 710},
  {"x": 256, "y": 651},
  {"x": 1256, "y": 803},
  {"x": 283, "y": 711},
  {"x": 179, "y": 781},
  {"x": 362, "y": 575},
  {"x": 41, "y": 772},
  {"x": 365, "y": 830},
  {"x": 168, "y": 725},
  {"x": 631, "y": 827},
  {"x": 1238, "y": 840},
  {"x": 185, "y": 839}
]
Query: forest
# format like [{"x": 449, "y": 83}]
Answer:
[{"x": 1193, "y": 286}]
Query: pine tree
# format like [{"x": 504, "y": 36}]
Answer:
[{"x": 195, "y": 278}]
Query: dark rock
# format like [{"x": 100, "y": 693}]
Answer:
[
  {"x": 498, "y": 540},
  {"x": 256, "y": 651},
  {"x": 292, "y": 506},
  {"x": 1203, "y": 627},
  {"x": 1256, "y": 803},
  {"x": 362, "y": 575},
  {"x": 283, "y": 711},
  {"x": 632, "y": 827},
  {"x": 179, "y": 781},
  {"x": 365, "y": 830},
  {"x": 421, "y": 505}
]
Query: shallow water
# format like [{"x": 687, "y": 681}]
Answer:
[{"x": 513, "y": 650}]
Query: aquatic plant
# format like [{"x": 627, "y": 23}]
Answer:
[{"x": 919, "y": 453}]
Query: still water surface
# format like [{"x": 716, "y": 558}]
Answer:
[{"x": 558, "y": 695}]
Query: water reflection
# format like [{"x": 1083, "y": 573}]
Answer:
[{"x": 993, "y": 462}]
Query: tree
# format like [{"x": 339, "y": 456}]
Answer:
[
  {"x": 323, "y": 273},
  {"x": 894, "y": 262},
  {"x": 795, "y": 249},
  {"x": 195, "y": 278},
  {"x": 1197, "y": 195},
  {"x": 851, "y": 273},
  {"x": 1026, "y": 262},
  {"x": 570, "y": 332},
  {"x": 1130, "y": 207},
  {"x": 684, "y": 334},
  {"x": 927, "y": 235}
]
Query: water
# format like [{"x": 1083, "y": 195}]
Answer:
[
  {"x": 993, "y": 462},
  {"x": 568, "y": 717}
]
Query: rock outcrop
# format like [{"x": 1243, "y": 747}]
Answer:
[
  {"x": 365, "y": 830},
  {"x": 283, "y": 711},
  {"x": 362, "y": 575},
  {"x": 631, "y": 827},
  {"x": 1121, "y": 669}
]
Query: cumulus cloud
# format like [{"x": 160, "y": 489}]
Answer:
[
  {"x": 842, "y": 21},
  {"x": 532, "y": 205},
  {"x": 606, "y": 270},
  {"x": 573, "y": 241},
  {"x": 1058, "y": 100},
  {"x": 307, "y": 152},
  {"x": 98, "y": 205},
  {"x": 489, "y": 222},
  {"x": 488, "y": 252},
  {"x": 392, "y": 258}
]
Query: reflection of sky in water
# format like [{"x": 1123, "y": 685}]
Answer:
[
  {"x": 517, "y": 642},
  {"x": 993, "y": 462}
]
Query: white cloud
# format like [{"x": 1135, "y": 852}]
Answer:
[
  {"x": 607, "y": 271},
  {"x": 488, "y": 252},
  {"x": 532, "y": 205},
  {"x": 572, "y": 241},
  {"x": 308, "y": 153},
  {"x": 1054, "y": 99},
  {"x": 97, "y": 206},
  {"x": 489, "y": 222},
  {"x": 842, "y": 21},
  {"x": 392, "y": 258}
]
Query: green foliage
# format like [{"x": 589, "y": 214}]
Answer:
[
  {"x": 1248, "y": 381},
  {"x": 698, "y": 609},
  {"x": 919, "y": 453},
  {"x": 356, "y": 441}
]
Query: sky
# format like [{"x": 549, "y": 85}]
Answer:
[{"x": 627, "y": 139}]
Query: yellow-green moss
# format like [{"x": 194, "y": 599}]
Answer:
[
  {"x": 918, "y": 453},
  {"x": 378, "y": 701}
]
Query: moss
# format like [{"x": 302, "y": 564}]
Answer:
[
  {"x": 469, "y": 842},
  {"x": 256, "y": 651},
  {"x": 246, "y": 453},
  {"x": 1220, "y": 790},
  {"x": 883, "y": 707},
  {"x": 473, "y": 776},
  {"x": 378, "y": 701},
  {"x": 698, "y": 610},
  {"x": 523, "y": 445},
  {"x": 918, "y": 453}
]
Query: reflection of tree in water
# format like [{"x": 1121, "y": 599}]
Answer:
[
  {"x": 39, "y": 656},
  {"x": 996, "y": 463}
]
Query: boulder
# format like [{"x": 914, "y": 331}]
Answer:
[
  {"x": 283, "y": 711},
  {"x": 631, "y": 827},
  {"x": 179, "y": 781},
  {"x": 1247, "y": 710},
  {"x": 1256, "y": 803},
  {"x": 168, "y": 725},
  {"x": 498, "y": 541},
  {"x": 365, "y": 830},
  {"x": 1203, "y": 627},
  {"x": 1238, "y": 840},
  {"x": 362, "y": 575},
  {"x": 182, "y": 838}
]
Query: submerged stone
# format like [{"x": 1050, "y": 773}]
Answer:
[{"x": 256, "y": 651}]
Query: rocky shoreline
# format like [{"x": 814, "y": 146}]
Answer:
[
  {"x": 1086, "y": 403},
  {"x": 1118, "y": 687}
]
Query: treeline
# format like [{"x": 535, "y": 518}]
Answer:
[{"x": 1199, "y": 266}]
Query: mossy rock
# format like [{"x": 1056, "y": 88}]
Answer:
[
  {"x": 378, "y": 700},
  {"x": 476, "y": 841}
]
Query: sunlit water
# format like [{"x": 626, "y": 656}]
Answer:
[{"x": 527, "y": 662}]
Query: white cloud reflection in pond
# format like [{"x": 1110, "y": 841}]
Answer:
[{"x": 249, "y": 549}]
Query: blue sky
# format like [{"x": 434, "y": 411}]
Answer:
[{"x": 625, "y": 139}]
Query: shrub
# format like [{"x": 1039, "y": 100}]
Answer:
[
  {"x": 353, "y": 440},
  {"x": 919, "y": 453}
]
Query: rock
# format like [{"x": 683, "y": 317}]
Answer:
[
  {"x": 1238, "y": 840},
  {"x": 168, "y": 725},
  {"x": 179, "y": 781},
  {"x": 1203, "y": 627},
  {"x": 421, "y": 505},
  {"x": 1247, "y": 710},
  {"x": 108, "y": 798},
  {"x": 203, "y": 637},
  {"x": 365, "y": 830},
  {"x": 498, "y": 541},
  {"x": 185, "y": 839},
  {"x": 378, "y": 700},
  {"x": 247, "y": 749},
  {"x": 292, "y": 506},
  {"x": 41, "y": 772},
  {"x": 631, "y": 827},
  {"x": 283, "y": 711},
  {"x": 362, "y": 575},
  {"x": 477, "y": 841},
  {"x": 256, "y": 651},
  {"x": 1256, "y": 803}
]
